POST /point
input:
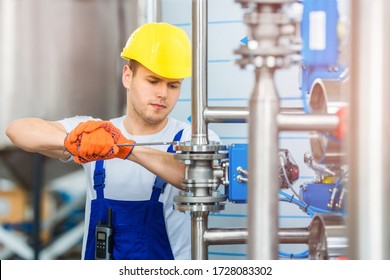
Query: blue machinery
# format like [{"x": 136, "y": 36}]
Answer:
[{"x": 258, "y": 179}]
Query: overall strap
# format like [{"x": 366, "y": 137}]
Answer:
[
  {"x": 159, "y": 184},
  {"x": 175, "y": 139},
  {"x": 99, "y": 176}
]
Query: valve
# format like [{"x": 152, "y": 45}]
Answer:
[{"x": 288, "y": 169}]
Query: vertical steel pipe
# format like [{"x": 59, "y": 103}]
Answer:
[
  {"x": 262, "y": 158},
  {"x": 199, "y": 72},
  {"x": 368, "y": 143},
  {"x": 199, "y": 219},
  {"x": 199, "y": 224}
]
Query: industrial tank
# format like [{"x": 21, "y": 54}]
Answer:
[
  {"x": 62, "y": 58},
  {"x": 58, "y": 59}
]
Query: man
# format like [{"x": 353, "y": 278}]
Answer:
[{"x": 128, "y": 183}]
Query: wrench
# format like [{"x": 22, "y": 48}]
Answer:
[{"x": 150, "y": 143}]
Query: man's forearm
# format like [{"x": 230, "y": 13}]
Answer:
[
  {"x": 162, "y": 164},
  {"x": 37, "y": 135}
]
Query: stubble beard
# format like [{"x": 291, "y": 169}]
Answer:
[{"x": 148, "y": 118}]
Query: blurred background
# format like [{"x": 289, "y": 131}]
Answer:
[{"x": 58, "y": 58}]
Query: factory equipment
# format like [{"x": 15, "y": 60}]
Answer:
[
  {"x": 237, "y": 190},
  {"x": 268, "y": 169},
  {"x": 328, "y": 96},
  {"x": 319, "y": 59},
  {"x": 201, "y": 177},
  {"x": 320, "y": 44},
  {"x": 269, "y": 28}
]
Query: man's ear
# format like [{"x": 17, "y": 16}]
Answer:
[{"x": 127, "y": 75}]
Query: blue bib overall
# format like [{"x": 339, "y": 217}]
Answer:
[{"x": 139, "y": 231}]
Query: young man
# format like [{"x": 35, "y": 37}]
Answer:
[{"x": 136, "y": 185}]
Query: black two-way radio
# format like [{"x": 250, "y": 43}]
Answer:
[{"x": 103, "y": 239}]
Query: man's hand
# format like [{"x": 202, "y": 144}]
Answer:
[
  {"x": 124, "y": 151},
  {"x": 96, "y": 140},
  {"x": 73, "y": 139}
]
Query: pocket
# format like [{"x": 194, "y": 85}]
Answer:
[{"x": 130, "y": 242}]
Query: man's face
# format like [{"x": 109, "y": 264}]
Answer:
[{"x": 150, "y": 97}]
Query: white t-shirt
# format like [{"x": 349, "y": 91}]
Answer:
[{"x": 126, "y": 180}]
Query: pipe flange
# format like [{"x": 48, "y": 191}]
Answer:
[
  {"x": 276, "y": 52},
  {"x": 199, "y": 207},
  {"x": 198, "y": 183},
  {"x": 189, "y": 147},
  {"x": 271, "y": 58},
  {"x": 254, "y": 19},
  {"x": 327, "y": 237},
  {"x": 210, "y": 156},
  {"x": 247, "y": 2},
  {"x": 198, "y": 199}
]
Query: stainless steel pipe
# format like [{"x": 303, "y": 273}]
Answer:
[
  {"x": 226, "y": 114},
  {"x": 368, "y": 145},
  {"x": 293, "y": 235},
  {"x": 199, "y": 224},
  {"x": 262, "y": 161},
  {"x": 199, "y": 72},
  {"x": 265, "y": 22},
  {"x": 199, "y": 219},
  {"x": 217, "y": 114},
  {"x": 307, "y": 122},
  {"x": 221, "y": 236}
]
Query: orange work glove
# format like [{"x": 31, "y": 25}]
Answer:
[
  {"x": 97, "y": 143},
  {"x": 83, "y": 127},
  {"x": 73, "y": 139},
  {"x": 95, "y": 140},
  {"x": 124, "y": 151}
]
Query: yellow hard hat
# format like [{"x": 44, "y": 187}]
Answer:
[{"x": 162, "y": 48}]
